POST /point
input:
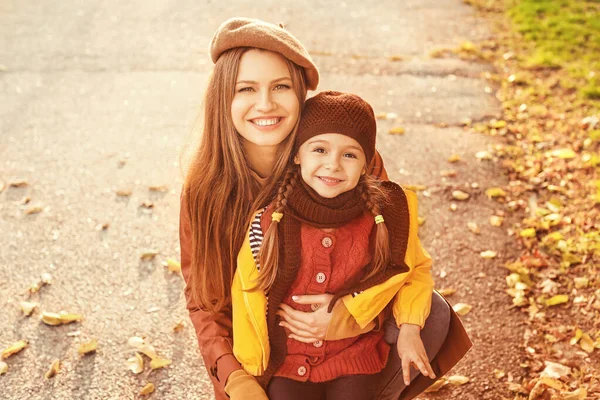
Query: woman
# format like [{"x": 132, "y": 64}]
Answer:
[{"x": 253, "y": 103}]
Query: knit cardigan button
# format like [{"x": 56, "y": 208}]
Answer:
[
  {"x": 302, "y": 370},
  {"x": 321, "y": 277},
  {"x": 318, "y": 343},
  {"x": 327, "y": 242}
]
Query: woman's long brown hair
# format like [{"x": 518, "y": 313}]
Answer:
[
  {"x": 221, "y": 192},
  {"x": 373, "y": 196}
]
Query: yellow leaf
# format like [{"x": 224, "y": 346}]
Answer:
[
  {"x": 136, "y": 364},
  {"x": 397, "y": 131},
  {"x": 450, "y": 173},
  {"x": 18, "y": 184},
  {"x": 159, "y": 363},
  {"x": 586, "y": 343},
  {"x": 447, "y": 291},
  {"x": 462, "y": 308},
  {"x": 14, "y": 348},
  {"x": 178, "y": 326},
  {"x": 88, "y": 347},
  {"x": 473, "y": 227},
  {"x": 437, "y": 385},
  {"x": 563, "y": 153},
  {"x": 148, "y": 255},
  {"x": 494, "y": 192},
  {"x": 460, "y": 195},
  {"x": 483, "y": 155},
  {"x": 123, "y": 193},
  {"x": 452, "y": 159},
  {"x": 33, "y": 210},
  {"x": 54, "y": 369},
  {"x": 149, "y": 388},
  {"x": 579, "y": 394},
  {"x": 457, "y": 379},
  {"x": 499, "y": 373},
  {"x": 420, "y": 221},
  {"x": 395, "y": 58},
  {"x": 555, "y": 370},
  {"x": 172, "y": 265},
  {"x": 3, "y": 367},
  {"x": 488, "y": 254},
  {"x": 27, "y": 307},
  {"x": 556, "y": 300},
  {"x": 553, "y": 383},
  {"x": 381, "y": 115},
  {"x": 581, "y": 282},
  {"x": 50, "y": 318},
  {"x": 161, "y": 189},
  {"x": 414, "y": 188},
  {"x": 143, "y": 346},
  {"x": 496, "y": 220},
  {"x": 578, "y": 335},
  {"x": 497, "y": 124},
  {"x": 67, "y": 318},
  {"x": 147, "y": 204},
  {"x": 528, "y": 233}
]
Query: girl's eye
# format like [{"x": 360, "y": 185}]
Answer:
[
  {"x": 350, "y": 155},
  {"x": 319, "y": 150},
  {"x": 282, "y": 86}
]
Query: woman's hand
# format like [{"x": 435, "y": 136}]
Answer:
[
  {"x": 307, "y": 327},
  {"x": 411, "y": 351}
]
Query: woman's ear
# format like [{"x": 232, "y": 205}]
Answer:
[
  {"x": 296, "y": 160},
  {"x": 364, "y": 171}
]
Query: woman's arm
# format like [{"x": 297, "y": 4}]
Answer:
[{"x": 213, "y": 330}]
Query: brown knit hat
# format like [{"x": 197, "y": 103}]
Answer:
[
  {"x": 336, "y": 112},
  {"x": 245, "y": 32}
]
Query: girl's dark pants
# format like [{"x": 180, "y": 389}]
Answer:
[{"x": 386, "y": 385}]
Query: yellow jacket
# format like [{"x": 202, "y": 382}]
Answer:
[{"x": 410, "y": 291}]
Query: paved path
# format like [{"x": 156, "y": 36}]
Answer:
[{"x": 100, "y": 96}]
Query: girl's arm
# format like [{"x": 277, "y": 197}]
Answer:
[{"x": 213, "y": 330}]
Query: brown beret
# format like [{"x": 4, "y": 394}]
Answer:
[
  {"x": 245, "y": 32},
  {"x": 343, "y": 113}
]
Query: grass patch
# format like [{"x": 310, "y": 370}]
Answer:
[{"x": 566, "y": 34}]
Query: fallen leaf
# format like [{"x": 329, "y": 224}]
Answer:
[
  {"x": 14, "y": 348},
  {"x": 87, "y": 347},
  {"x": 495, "y": 192},
  {"x": 449, "y": 173},
  {"x": 33, "y": 210},
  {"x": 414, "y": 188},
  {"x": 172, "y": 265},
  {"x": 447, "y": 292},
  {"x": 437, "y": 385},
  {"x": 586, "y": 343},
  {"x": 462, "y": 308},
  {"x": 149, "y": 388},
  {"x": 457, "y": 379},
  {"x": 46, "y": 278},
  {"x": 473, "y": 227},
  {"x": 381, "y": 115},
  {"x": 483, "y": 155},
  {"x": 54, "y": 369},
  {"x": 123, "y": 193},
  {"x": 161, "y": 189},
  {"x": 488, "y": 254},
  {"x": 420, "y": 221},
  {"x": 496, "y": 220},
  {"x": 460, "y": 195},
  {"x": 178, "y": 326},
  {"x": 27, "y": 307},
  {"x": 3, "y": 367},
  {"x": 148, "y": 255},
  {"x": 575, "y": 339},
  {"x": 397, "y": 131},
  {"x": 395, "y": 58},
  {"x": 143, "y": 346},
  {"x": 563, "y": 153},
  {"x": 579, "y": 394},
  {"x": 528, "y": 233},
  {"x": 499, "y": 374},
  {"x": 61, "y": 318},
  {"x": 555, "y": 370},
  {"x": 453, "y": 207},
  {"x": 18, "y": 184},
  {"x": 454, "y": 158},
  {"x": 159, "y": 362},
  {"x": 553, "y": 383},
  {"x": 136, "y": 364},
  {"x": 147, "y": 204},
  {"x": 556, "y": 300}
]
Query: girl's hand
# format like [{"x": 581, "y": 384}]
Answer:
[
  {"x": 307, "y": 327},
  {"x": 411, "y": 351}
]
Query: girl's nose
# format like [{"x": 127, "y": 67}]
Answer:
[
  {"x": 265, "y": 102},
  {"x": 332, "y": 163}
]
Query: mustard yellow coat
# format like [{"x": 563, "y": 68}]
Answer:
[{"x": 410, "y": 292}]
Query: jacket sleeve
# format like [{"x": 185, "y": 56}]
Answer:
[
  {"x": 213, "y": 330},
  {"x": 413, "y": 302}
]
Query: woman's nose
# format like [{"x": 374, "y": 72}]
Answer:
[{"x": 265, "y": 102}]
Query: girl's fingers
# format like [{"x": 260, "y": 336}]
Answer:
[
  {"x": 292, "y": 322},
  {"x": 296, "y": 315},
  {"x": 302, "y": 339}
]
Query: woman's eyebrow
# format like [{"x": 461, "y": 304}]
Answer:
[{"x": 248, "y": 82}]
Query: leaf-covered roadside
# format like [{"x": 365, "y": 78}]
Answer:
[{"x": 547, "y": 55}]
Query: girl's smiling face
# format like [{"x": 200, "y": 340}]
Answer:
[
  {"x": 265, "y": 107},
  {"x": 331, "y": 163}
]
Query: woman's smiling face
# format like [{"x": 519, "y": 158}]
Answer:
[
  {"x": 265, "y": 107},
  {"x": 331, "y": 163}
]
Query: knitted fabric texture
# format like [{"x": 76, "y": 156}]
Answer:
[
  {"x": 396, "y": 214},
  {"x": 246, "y": 32},
  {"x": 343, "y": 113}
]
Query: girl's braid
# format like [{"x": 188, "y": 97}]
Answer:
[{"x": 288, "y": 184}]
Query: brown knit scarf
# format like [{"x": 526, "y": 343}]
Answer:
[{"x": 304, "y": 205}]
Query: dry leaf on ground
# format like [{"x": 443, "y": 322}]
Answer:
[
  {"x": 27, "y": 307},
  {"x": 488, "y": 254},
  {"x": 457, "y": 379},
  {"x": 462, "y": 308},
  {"x": 53, "y": 370},
  {"x": 460, "y": 195},
  {"x": 496, "y": 220},
  {"x": 159, "y": 188},
  {"x": 143, "y": 346},
  {"x": 447, "y": 292},
  {"x": 454, "y": 158},
  {"x": 148, "y": 255},
  {"x": 437, "y": 385},
  {"x": 159, "y": 362},
  {"x": 33, "y": 210},
  {"x": 397, "y": 131},
  {"x": 556, "y": 300},
  {"x": 14, "y": 348},
  {"x": 149, "y": 388},
  {"x": 18, "y": 183},
  {"x": 136, "y": 364},
  {"x": 172, "y": 265},
  {"x": 3, "y": 367},
  {"x": 473, "y": 227},
  {"x": 123, "y": 193},
  {"x": 88, "y": 347},
  {"x": 178, "y": 327},
  {"x": 61, "y": 318}
]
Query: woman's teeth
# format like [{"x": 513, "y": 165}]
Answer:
[{"x": 266, "y": 122}]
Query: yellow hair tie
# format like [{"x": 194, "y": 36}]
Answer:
[
  {"x": 276, "y": 216},
  {"x": 378, "y": 219}
]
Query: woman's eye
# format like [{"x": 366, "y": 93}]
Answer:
[
  {"x": 245, "y": 89},
  {"x": 282, "y": 86}
]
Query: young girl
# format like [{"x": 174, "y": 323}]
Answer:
[{"x": 331, "y": 229}]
